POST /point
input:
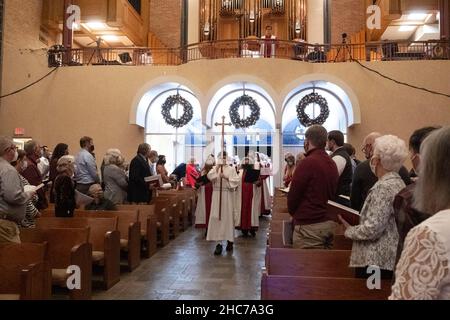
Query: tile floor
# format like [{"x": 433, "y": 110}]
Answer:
[{"x": 186, "y": 269}]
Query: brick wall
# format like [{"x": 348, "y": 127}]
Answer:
[
  {"x": 346, "y": 16},
  {"x": 165, "y": 21}
]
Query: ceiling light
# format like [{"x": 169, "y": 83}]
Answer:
[
  {"x": 407, "y": 28},
  {"x": 417, "y": 16},
  {"x": 110, "y": 37},
  {"x": 96, "y": 25}
]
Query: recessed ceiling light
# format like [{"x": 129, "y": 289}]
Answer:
[
  {"x": 110, "y": 37},
  {"x": 417, "y": 16},
  {"x": 407, "y": 28}
]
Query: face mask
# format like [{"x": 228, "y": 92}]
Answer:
[
  {"x": 373, "y": 167},
  {"x": 16, "y": 156},
  {"x": 290, "y": 163},
  {"x": 92, "y": 148}
]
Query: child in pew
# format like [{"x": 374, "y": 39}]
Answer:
[{"x": 100, "y": 203}]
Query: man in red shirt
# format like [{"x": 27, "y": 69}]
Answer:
[{"x": 314, "y": 183}]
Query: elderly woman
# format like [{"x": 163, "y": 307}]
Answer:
[
  {"x": 64, "y": 189},
  {"x": 375, "y": 239},
  {"x": 289, "y": 169},
  {"x": 31, "y": 213},
  {"x": 114, "y": 177},
  {"x": 423, "y": 269}
]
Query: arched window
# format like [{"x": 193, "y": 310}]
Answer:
[
  {"x": 338, "y": 103},
  {"x": 177, "y": 144}
]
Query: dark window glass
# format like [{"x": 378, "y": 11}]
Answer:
[{"x": 136, "y": 5}]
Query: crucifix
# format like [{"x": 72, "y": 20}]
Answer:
[{"x": 223, "y": 124}]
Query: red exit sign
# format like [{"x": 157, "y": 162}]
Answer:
[{"x": 19, "y": 131}]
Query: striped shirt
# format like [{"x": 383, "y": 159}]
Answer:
[{"x": 30, "y": 212}]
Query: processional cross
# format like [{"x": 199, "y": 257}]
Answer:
[{"x": 223, "y": 124}]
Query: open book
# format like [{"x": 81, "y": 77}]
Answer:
[
  {"x": 287, "y": 233},
  {"x": 81, "y": 199},
  {"x": 284, "y": 190},
  {"x": 349, "y": 215},
  {"x": 155, "y": 181},
  {"x": 30, "y": 188}
]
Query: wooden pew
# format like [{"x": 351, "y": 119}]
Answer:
[
  {"x": 130, "y": 232},
  {"x": 175, "y": 212},
  {"x": 163, "y": 211},
  {"x": 276, "y": 287},
  {"x": 66, "y": 247},
  {"x": 25, "y": 272},
  {"x": 105, "y": 240},
  {"x": 310, "y": 263},
  {"x": 149, "y": 226}
]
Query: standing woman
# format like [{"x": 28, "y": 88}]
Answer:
[
  {"x": 423, "y": 271},
  {"x": 61, "y": 149},
  {"x": 161, "y": 169},
  {"x": 114, "y": 177},
  {"x": 64, "y": 189},
  {"x": 289, "y": 169}
]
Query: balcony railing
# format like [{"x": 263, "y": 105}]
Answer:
[{"x": 373, "y": 51}]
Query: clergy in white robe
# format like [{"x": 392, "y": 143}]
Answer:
[
  {"x": 248, "y": 201},
  {"x": 222, "y": 222}
]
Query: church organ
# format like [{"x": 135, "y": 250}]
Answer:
[{"x": 233, "y": 19}]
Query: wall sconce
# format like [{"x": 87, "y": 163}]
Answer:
[
  {"x": 206, "y": 29},
  {"x": 252, "y": 16}
]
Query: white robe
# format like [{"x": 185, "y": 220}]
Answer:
[
  {"x": 200, "y": 211},
  {"x": 263, "y": 46},
  {"x": 223, "y": 229},
  {"x": 256, "y": 203}
]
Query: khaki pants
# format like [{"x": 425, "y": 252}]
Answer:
[
  {"x": 9, "y": 231},
  {"x": 314, "y": 236}
]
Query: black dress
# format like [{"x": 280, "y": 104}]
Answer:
[
  {"x": 138, "y": 189},
  {"x": 64, "y": 192}
]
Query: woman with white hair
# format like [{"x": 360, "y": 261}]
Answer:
[
  {"x": 375, "y": 239},
  {"x": 423, "y": 271},
  {"x": 64, "y": 190},
  {"x": 114, "y": 177}
]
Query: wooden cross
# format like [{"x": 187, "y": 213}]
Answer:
[{"x": 223, "y": 124}]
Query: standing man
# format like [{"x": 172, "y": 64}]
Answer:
[
  {"x": 13, "y": 199},
  {"x": 335, "y": 144},
  {"x": 152, "y": 160},
  {"x": 44, "y": 163},
  {"x": 268, "y": 45},
  {"x": 364, "y": 179},
  {"x": 32, "y": 173},
  {"x": 139, "y": 191},
  {"x": 85, "y": 167},
  {"x": 315, "y": 182},
  {"x": 222, "y": 221}
]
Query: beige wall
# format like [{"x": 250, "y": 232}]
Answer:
[{"x": 99, "y": 101}]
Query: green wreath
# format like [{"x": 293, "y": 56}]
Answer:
[
  {"x": 315, "y": 98},
  {"x": 188, "y": 111},
  {"x": 251, "y": 120}
]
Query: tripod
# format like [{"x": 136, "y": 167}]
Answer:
[
  {"x": 96, "y": 51},
  {"x": 344, "y": 45}
]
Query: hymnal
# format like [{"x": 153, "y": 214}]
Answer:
[
  {"x": 251, "y": 176},
  {"x": 82, "y": 199},
  {"x": 348, "y": 214},
  {"x": 155, "y": 181},
  {"x": 30, "y": 188}
]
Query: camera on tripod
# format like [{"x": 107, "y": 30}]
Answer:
[{"x": 344, "y": 37}]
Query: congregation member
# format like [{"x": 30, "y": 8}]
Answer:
[
  {"x": 152, "y": 160},
  {"x": 31, "y": 213},
  {"x": 44, "y": 163},
  {"x": 32, "y": 173},
  {"x": 222, "y": 221},
  {"x": 335, "y": 144},
  {"x": 364, "y": 179},
  {"x": 248, "y": 199},
  {"x": 139, "y": 191},
  {"x": 288, "y": 169},
  {"x": 100, "y": 203},
  {"x": 114, "y": 177},
  {"x": 352, "y": 153},
  {"x": 192, "y": 173},
  {"x": 423, "y": 270},
  {"x": 180, "y": 171},
  {"x": 406, "y": 216},
  {"x": 161, "y": 169},
  {"x": 64, "y": 190},
  {"x": 314, "y": 184},
  {"x": 13, "y": 198},
  {"x": 85, "y": 167},
  {"x": 375, "y": 239},
  {"x": 204, "y": 195},
  {"x": 60, "y": 150}
]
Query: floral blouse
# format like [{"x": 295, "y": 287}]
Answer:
[
  {"x": 423, "y": 270},
  {"x": 376, "y": 237}
]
